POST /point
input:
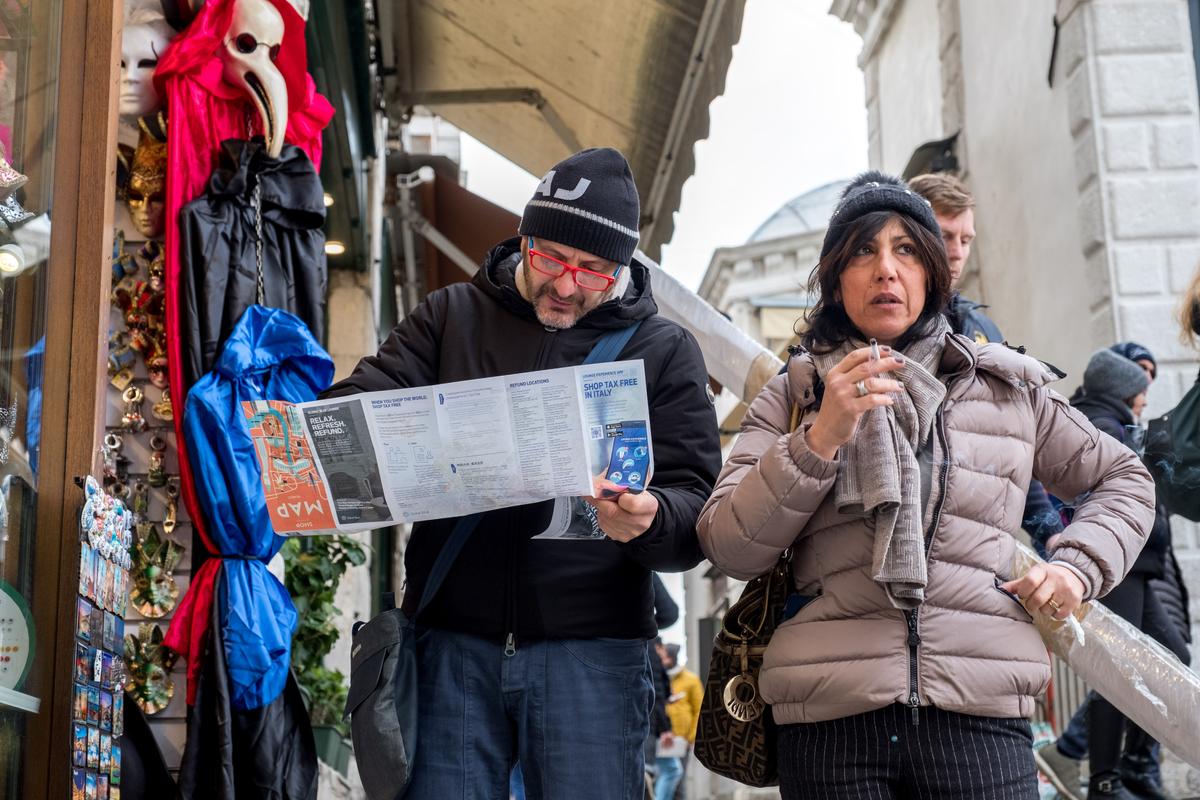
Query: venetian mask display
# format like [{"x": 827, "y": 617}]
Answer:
[
  {"x": 251, "y": 47},
  {"x": 143, "y": 42},
  {"x": 145, "y": 194},
  {"x": 148, "y": 667},
  {"x": 155, "y": 558}
]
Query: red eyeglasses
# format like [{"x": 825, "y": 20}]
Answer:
[{"x": 584, "y": 278}]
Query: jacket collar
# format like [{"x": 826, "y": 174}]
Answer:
[
  {"x": 962, "y": 357},
  {"x": 1096, "y": 405},
  {"x": 497, "y": 279}
]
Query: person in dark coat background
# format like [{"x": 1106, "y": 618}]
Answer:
[{"x": 1112, "y": 397}]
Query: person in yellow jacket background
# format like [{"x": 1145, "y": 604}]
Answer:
[
  {"x": 687, "y": 691},
  {"x": 683, "y": 709}
]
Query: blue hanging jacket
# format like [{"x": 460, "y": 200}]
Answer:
[{"x": 269, "y": 355}]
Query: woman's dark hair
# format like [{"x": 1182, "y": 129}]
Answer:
[{"x": 828, "y": 324}]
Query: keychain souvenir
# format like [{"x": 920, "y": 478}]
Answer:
[
  {"x": 132, "y": 419},
  {"x": 157, "y": 475},
  {"x": 139, "y": 500},
  {"x": 170, "y": 518},
  {"x": 115, "y": 464}
]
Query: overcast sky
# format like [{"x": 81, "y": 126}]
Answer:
[{"x": 792, "y": 117}]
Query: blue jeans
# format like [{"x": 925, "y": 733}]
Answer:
[
  {"x": 573, "y": 711},
  {"x": 670, "y": 770}
]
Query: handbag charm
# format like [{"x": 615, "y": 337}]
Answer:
[{"x": 742, "y": 698}]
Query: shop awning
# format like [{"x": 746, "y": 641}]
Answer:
[{"x": 536, "y": 81}]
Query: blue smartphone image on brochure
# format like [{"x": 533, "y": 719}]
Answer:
[{"x": 629, "y": 458}]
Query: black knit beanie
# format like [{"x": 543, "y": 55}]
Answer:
[
  {"x": 876, "y": 191},
  {"x": 589, "y": 202}
]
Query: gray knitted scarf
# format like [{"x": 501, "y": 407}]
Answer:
[{"x": 878, "y": 475}]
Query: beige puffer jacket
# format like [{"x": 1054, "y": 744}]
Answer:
[{"x": 970, "y": 647}]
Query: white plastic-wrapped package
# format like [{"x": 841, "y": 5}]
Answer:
[
  {"x": 1132, "y": 671},
  {"x": 738, "y": 363}
]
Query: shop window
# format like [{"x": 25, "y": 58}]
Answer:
[{"x": 29, "y": 58}]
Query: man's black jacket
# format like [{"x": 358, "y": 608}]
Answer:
[{"x": 503, "y": 582}]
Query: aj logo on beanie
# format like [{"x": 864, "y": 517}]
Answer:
[{"x": 589, "y": 202}]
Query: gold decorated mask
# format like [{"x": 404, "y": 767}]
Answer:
[
  {"x": 149, "y": 666},
  {"x": 146, "y": 193},
  {"x": 155, "y": 591}
]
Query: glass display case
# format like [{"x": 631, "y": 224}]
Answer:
[{"x": 29, "y": 62}]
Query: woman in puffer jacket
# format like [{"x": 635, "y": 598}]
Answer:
[{"x": 896, "y": 482}]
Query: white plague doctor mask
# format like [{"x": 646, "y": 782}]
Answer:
[{"x": 250, "y": 48}]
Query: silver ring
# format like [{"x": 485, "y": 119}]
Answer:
[{"x": 862, "y": 388}]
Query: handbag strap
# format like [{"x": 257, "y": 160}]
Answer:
[
  {"x": 610, "y": 345},
  {"x": 450, "y": 550},
  {"x": 606, "y": 348}
]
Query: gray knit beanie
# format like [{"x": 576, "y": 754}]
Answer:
[
  {"x": 1114, "y": 375},
  {"x": 588, "y": 201}
]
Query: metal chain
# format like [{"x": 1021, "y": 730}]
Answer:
[{"x": 258, "y": 241}]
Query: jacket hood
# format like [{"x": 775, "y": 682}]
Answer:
[
  {"x": 271, "y": 341},
  {"x": 292, "y": 195},
  {"x": 497, "y": 279}
]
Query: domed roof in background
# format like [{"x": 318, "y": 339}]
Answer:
[{"x": 802, "y": 214}]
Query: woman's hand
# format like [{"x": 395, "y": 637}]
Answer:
[
  {"x": 844, "y": 401},
  {"x": 1050, "y": 589}
]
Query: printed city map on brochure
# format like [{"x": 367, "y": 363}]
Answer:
[
  {"x": 296, "y": 496},
  {"x": 382, "y": 458}
]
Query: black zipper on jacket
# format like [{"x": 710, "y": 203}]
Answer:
[
  {"x": 912, "y": 618},
  {"x": 515, "y": 532}
]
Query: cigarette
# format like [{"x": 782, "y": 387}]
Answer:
[{"x": 874, "y": 350}]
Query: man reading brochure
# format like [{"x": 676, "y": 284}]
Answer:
[{"x": 534, "y": 650}]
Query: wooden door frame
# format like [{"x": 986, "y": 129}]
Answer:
[{"x": 75, "y": 378}]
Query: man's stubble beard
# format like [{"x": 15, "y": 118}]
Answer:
[{"x": 557, "y": 320}]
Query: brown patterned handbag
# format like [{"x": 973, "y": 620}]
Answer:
[{"x": 735, "y": 735}]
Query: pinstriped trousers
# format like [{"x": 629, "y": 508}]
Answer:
[{"x": 882, "y": 755}]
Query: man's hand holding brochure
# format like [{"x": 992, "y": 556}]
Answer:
[{"x": 383, "y": 458}]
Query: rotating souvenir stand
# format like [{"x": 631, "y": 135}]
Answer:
[
  {"x": 141, "y": 467},
  {"x": 100, "y": 673}
]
